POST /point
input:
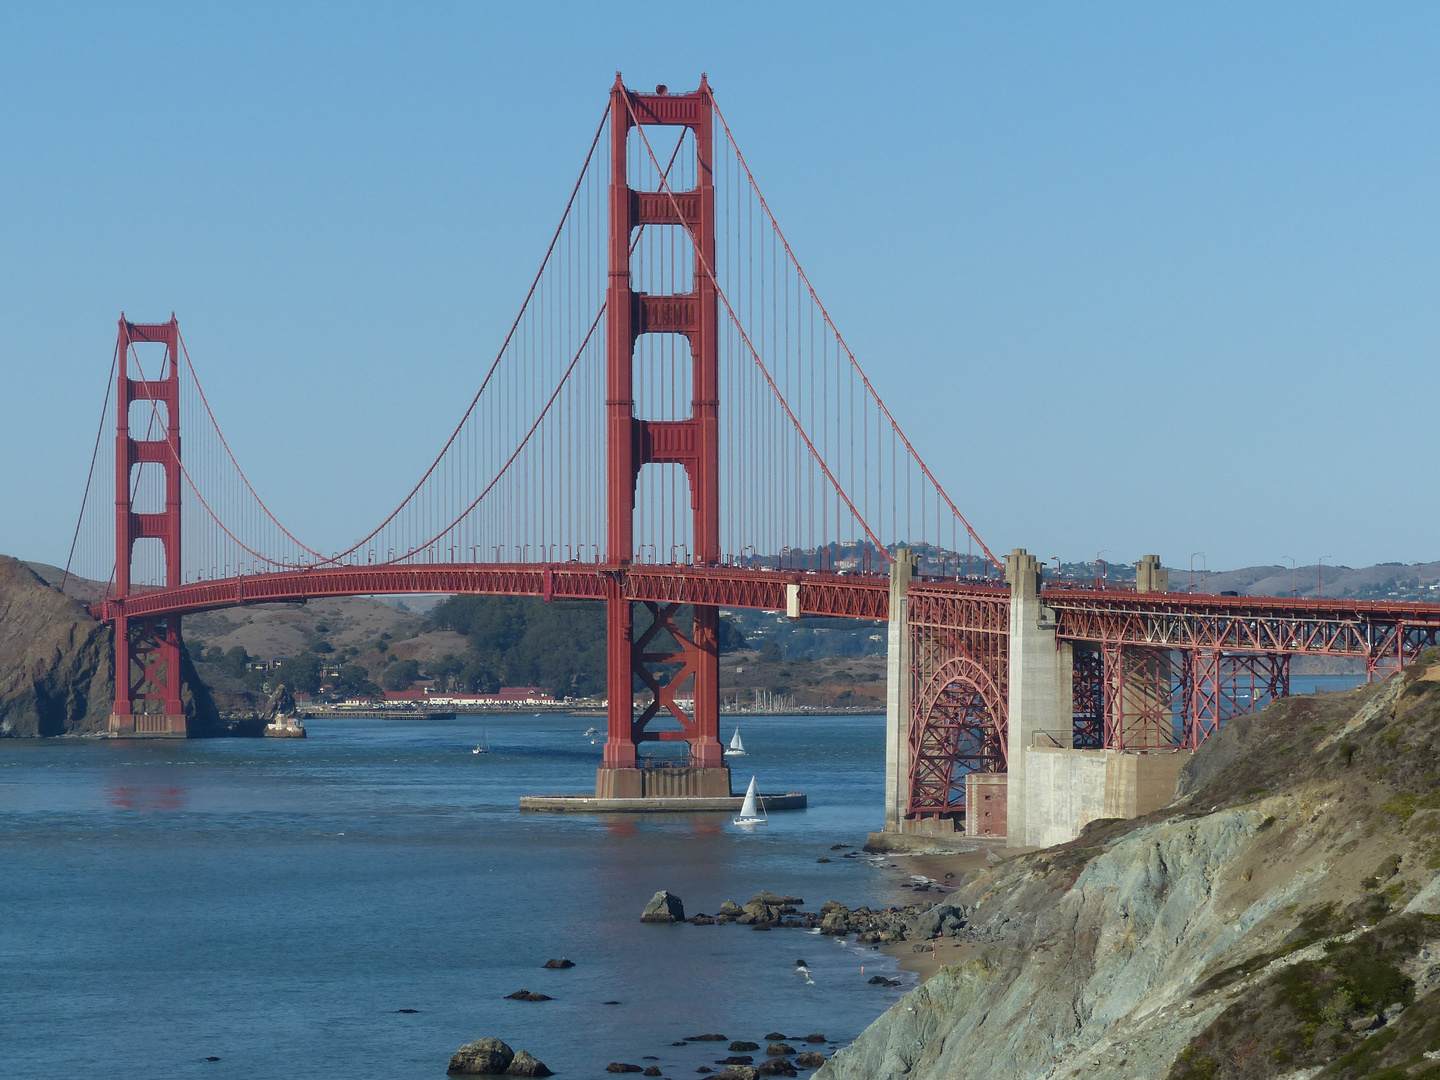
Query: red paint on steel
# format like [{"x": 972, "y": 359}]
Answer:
[
  {"x": 147, "y": 648},
  {"x": 632, "y": 442}
]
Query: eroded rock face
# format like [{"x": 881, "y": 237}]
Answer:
[
  {"x": 55, "y": 660},
  {"x": 664, "y": 907},
  {"x": 483, "y": 1057}
]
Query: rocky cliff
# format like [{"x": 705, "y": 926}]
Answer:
[
  {"x": 55, "y": 660},
  {"x": 1279, "y": 919},
  {"x": 56, "y": 664}
]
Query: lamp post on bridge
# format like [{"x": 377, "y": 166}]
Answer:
[{"x": 1294, "y": 592}]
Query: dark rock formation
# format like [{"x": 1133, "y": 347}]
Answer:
[
  {"x": 809, "y": 1060},
  {"x": 528, "y": 995},
  {"x": 737, "y": 1072},
  {"x": 703, "y": 920},
  {"x": 653, "y": 1070},
  {"x": 732, "y": 909},
  {"x": 740, "y": 1046},
  {"x": 736, "y": 1059},
  {"x": 559, "y": 964},
  {"x": 777, "y": 1066},
  {"x": 815, "y": 1037},
  {"x": 777, "y": 1035},
  {"x": 777, "y": 1048},
  {"x": 483, "y": 1057},
  {"x": 526, "y": 1064},
  {"x": 56, "y": 664},
  {"x": 622, "y": 1067},
  {"x": 664, "y": 907},
  {"x": 55, "y": 660},
  {"x": 707, "y": 1038}
]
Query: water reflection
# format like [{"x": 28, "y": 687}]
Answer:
[{"x": 130, "y": 797}]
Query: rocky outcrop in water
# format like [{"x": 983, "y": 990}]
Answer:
[
  {"x": 483, "y": 1057},
  {"x": 1272, "y": 922},
  {"x": 56, "y": 664},
  {"x": 664, "y": 907},
  {"x": 55, "y": 660}
]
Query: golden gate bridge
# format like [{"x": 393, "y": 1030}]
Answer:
[{"x": 674, "y": 420}]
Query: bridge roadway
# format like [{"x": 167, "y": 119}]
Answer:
[{"x": 1373, "y": 629}]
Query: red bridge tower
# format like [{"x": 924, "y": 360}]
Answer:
[
  {"x": 635, "y": 441},
  {"x": 147, "y": 649}
]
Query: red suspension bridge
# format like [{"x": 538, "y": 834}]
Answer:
[{"x": 674, "y": 420}]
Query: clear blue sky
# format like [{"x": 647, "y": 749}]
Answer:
[{"x": 1140, "y": 277}]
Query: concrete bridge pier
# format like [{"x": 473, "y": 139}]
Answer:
[
  {"x": 897, "y": 694},
  {"x": 1041, "y": 705}
]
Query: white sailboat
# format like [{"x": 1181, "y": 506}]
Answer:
[
  {"x": 737, "y": 748},
  {"x": 483, "y": 746},
  {"x": 748, "y": 815}
]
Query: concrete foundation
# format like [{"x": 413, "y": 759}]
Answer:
[
  {"x": 663, "y": 783},
  {"x": 586, "y": 804},
  {"x": 1042, "y": 692},
  {"x": 147, "y": 726},
  {"x": 1068, "y": 789}
]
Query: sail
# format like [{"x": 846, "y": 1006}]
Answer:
[
  {"x": 747, "y": 808},
  {"x": 735, "y": 743}
]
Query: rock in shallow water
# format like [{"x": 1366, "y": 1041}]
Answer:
[
  {"x": 526, "y": 1064},
  {"x": 809, "y": 1060},
  {"x": 777, "y": 1048},
  {"x": 741, "y": 1045},
  {"x": 664, "y": 907},
  {"x": 527, "y": 995},
  {"x": 561, "y": 963},
  {"x": 487, "y": 1056}
]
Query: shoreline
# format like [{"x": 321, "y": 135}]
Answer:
[{"x": 925, "y": 959}]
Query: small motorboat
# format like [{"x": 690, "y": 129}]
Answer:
[
  {"x": 592, "y": 731},
  {"x": 736, "y": 748},
  {"x": 749, "y": 817}
]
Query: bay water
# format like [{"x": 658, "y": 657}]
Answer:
[{"x": 275, "y": 903}]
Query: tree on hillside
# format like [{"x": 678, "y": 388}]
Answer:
[
  {"x": 399, "y": 675},
  {"x": 354, "y": 681},
  {"x": 301, "y": 673}
]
